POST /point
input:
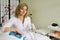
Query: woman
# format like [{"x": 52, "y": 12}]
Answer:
[{"x": 22, "y": 24}]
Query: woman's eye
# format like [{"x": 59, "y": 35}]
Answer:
[{"x": 24, "y": 9}]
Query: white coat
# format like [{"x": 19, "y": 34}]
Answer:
[{"x": 25, "y": 27}]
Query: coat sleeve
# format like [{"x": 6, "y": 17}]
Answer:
[
  {"x": 29, "y": 23},
  {"x": 9, "y": 23}
]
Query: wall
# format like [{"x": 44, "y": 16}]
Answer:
[{"x": 44, "y": 12}]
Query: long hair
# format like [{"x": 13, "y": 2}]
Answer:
[{"x": 20, "y": 6}]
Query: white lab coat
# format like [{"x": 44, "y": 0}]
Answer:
[{"x": 25, "y": 27}]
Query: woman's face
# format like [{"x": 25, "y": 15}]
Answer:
[{"x": 23, "y": 11}]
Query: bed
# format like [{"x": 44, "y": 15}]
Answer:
[{"x": 6, "y": 36}]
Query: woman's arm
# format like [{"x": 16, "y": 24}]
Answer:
[
  {"x": 33, "y": 28},
  {"x": 7, "y": 29},
  {"x": 31, "y": 25},
  {"x": 8, "y": 25}
]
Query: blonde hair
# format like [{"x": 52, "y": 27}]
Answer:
[{"x": 20, "y": 6}]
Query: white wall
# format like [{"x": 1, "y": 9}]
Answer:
[{"x": 44, "y": 12}]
